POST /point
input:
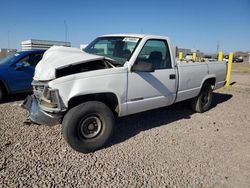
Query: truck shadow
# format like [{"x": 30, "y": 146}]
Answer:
[
  {"x": 15, "y": 97},
  {"x": 128, "y": 127}
]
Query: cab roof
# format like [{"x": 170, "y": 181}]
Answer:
[{"x": 133, "y": 35}]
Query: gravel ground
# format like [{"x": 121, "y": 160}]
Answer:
[{"x": 168, "y": 147}]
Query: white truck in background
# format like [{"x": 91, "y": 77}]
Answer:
[{"x": 115, "y": 75}]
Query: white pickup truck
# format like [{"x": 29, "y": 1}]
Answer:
[{"x": 115, "y": 75}]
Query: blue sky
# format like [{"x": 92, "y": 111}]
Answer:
[{"x": 195, "y": 24}]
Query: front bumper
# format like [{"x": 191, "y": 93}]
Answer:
[{"x": 39, "y": 116}]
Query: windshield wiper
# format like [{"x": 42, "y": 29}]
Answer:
[{"x": 113, "y": 62}]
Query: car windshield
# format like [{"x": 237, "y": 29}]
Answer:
[
  {"x": 9, "y": 58},
  {"x": 119, "y": 49}
]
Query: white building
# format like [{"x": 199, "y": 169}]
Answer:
[{"x": 34, "y": 44}]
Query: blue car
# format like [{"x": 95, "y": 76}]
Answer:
[{"x": 17, "y": 70}]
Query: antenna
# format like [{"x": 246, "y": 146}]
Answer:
[
  {"x": 8, "y": 41},
  {"x": 66, "y": 31}
]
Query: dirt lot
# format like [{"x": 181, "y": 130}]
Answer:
[{"x": 168, "y": 147}]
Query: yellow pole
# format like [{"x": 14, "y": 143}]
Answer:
[
  {"x": 220, "y": 56},
  {"x": 229, "y": 69},
  {"x": 180, "y": 56},
  {"x": 194, "y": 56}
]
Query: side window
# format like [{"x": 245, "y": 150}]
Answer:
[
  {"x": 25, "y": 61},
  {"x": 157, "y": 53}
]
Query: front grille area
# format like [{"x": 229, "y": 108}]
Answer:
[{"x": 39, "y": 88}]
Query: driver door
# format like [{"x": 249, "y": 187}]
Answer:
[
  {"x": 149, "y": 90},
  {"x": 21, "y": 73}
]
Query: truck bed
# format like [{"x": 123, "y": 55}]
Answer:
[{"x": 192, "y": 76}]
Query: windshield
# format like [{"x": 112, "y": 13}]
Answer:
[
  {"x": 119, "y": 49},
  {"x": 9, "y": 58}
]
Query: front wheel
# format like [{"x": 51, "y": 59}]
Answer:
[
  {"x": 88, "y": 126},
  {"x": 203, "y": 101}
]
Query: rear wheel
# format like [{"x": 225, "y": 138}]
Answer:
[
  {"x": 88, "y": 126},
  {"x": 203, "y": 101}
]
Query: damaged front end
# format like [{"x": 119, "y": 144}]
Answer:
[{"x": 44, "y": 105}]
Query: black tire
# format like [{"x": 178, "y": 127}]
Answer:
[
  {"x": 203, "y": 101},
  {"x": 1, "y": 93},
  {"x": 88, "y": 126}
]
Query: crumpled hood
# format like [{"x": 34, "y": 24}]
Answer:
[{"x": 57, "y": 57}]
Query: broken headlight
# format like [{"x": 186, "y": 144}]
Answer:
[{"x": 50, "y": 98}]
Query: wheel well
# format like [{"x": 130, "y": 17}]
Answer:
[
  {"x": 209, "y": 81},
  {"x": 109, "y": 99},
  {"x": 2, "y": 85}
]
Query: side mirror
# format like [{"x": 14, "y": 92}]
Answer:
[
  {"x": 143, "y": 67},
  {"x": 19, "y": 65}
]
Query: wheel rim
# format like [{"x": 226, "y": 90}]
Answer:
[
  {"x": 90, "y": 127},
  {"x": 205, "y": 97}
]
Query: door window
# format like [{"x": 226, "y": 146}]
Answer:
[
  {"x": 157, "y": 53},
  {"x": 25, "y": 61}
]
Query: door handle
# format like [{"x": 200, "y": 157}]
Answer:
[{"x": 172, "y": 76}]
